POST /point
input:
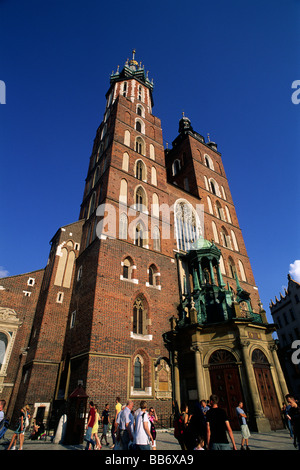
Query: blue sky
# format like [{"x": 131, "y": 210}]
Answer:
[{"x": 229, "y": 65}]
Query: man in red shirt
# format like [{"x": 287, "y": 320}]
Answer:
[{"x": 89, "y": 427}]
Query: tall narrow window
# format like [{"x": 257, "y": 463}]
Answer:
[
  {"x": 124, "y": 88},
  {"x": 232, "y": 269},
  {"x": 140, "y": 146},
  {"x": 156, "y": 239},
  {"x": 213, "y": 189},
  {"x": 153, "y": 176},
  {"x": 137, "y": 374},
  {"x": 176, "y": 167},
  {"x": 139, "y": 236},
  {"x": 127, "y": 138},
  {"x": 138, "y": 126},
  {"x": 152, "y": 151},
  {"x": 140, "y": 199},
  {"x": 139, "y": 317},
  {"x": 92, "y": 204},
  {"x": 123, "y": 226},
  {"x": 140, "y": 172},
  {"x": 235, "y": 243},
  {"x": 125, "y": 163},
  {"x": 127, "y": 269},
  {"x": 140, "y": 93},
  {"x": 242, "y": 271},
  {"x": 123, "y": 192},
  {"x": 151, "y": 276},
  {"x": 219, "y": 210}
]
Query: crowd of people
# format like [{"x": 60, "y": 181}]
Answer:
[
  {"x": 206, "y": 428},
  {"x": 22, "y": 425},
  {"x": 130, "y": 429}
]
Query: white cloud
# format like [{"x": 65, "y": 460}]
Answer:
[
  {"x": 295, "y": 270},
  {"x": 3, "y": 272}
]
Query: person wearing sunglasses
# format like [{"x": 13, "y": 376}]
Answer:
[{"x": 153, "y": 419}]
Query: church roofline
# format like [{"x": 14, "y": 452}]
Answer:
[
  {"x": 66, "y": 226},
  {"x": 283, "y": 298},
  {"x": 22, "y": 274}
]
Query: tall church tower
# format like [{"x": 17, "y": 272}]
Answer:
[
  {"x": 220, "y": 342},
  {"x": 125, "y": 287}
]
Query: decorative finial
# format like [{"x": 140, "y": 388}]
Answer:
[
  {"x": 133, "y": 61},
  {"x": 208, "y": 137},
  {"x": 182, "y": 113}
]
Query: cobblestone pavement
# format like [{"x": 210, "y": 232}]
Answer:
[{"x": 275, "y": 440}]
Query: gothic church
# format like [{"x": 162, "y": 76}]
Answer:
[{"x": 150, "y": 294}]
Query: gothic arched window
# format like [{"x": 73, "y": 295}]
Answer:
[
  {"x": 188, "y": 228},
  {"x": 139, "y": 236},
  {"x": 156, "y": 238},
  {"x": 140, "y": 146},
  {"x": 140, "y": 170},
  {"x": 213, "y": 189},
  {"x": 140, "y": 199},
  {"x": 176, "y": 167},
  {"x": 232, "y": 268},
  {"x": 139, "y": 317}
]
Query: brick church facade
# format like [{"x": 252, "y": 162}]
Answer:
[{"x": 150, "y": 294}]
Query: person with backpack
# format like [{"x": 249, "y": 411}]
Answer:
[
  {"x": 180, "y": 424},
  {"x": 143, "y": 436}
]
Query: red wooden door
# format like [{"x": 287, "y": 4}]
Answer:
[
  {"x": 268, "y": 396},
  {"x": 225, "y": 383}
]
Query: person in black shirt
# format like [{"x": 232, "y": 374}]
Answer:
[
  {"x": 294, "y": 416},
  {"x": 217, "y": 426},
  {"x": 105, "y": 422}
]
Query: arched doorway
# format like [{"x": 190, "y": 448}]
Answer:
[
  {"x": 266, "y": 389},
  {"x": 225, "y": 383}
]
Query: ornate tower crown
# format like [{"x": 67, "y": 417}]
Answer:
[{"x": 132, "y": 69}]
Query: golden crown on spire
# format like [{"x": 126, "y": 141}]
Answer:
[{"x": 133, "y": 61}]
